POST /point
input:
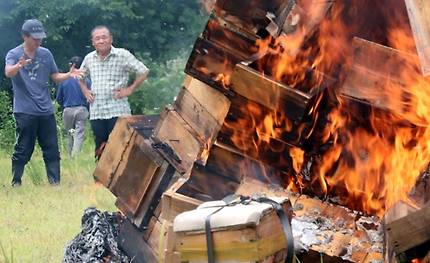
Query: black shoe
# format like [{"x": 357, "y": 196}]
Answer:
[
  {"x": 53, "y": 171},
  {"x": 16, "y": 184},
  {"x": 17, "y": 171},
  {"x": 54, "y": 183}
]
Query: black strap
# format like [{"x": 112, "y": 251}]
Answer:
[
  {"x": 209, "y": 238},
  {"x": 286, "y": 226}
]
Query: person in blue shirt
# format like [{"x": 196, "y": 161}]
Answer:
[
  {"x": 30, "y": 67},
  {"x": 75, "y": 109}
]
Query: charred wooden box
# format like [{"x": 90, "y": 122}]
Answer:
[
  {"x": 133, "y": 170},
  {"x": 196, "y": 118}
]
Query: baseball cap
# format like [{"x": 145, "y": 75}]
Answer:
[
  {"x": 76, "y": 60},
  {"x": 34, "y": 28}
]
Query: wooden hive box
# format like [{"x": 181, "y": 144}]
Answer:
[
  {"x": 133, "y": 170},
  {"x": 241, "y": 233}
]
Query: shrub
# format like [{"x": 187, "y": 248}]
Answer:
[{"x": 7, "y": 122}]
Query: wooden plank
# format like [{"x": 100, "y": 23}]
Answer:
[
  {"x": 130, "y": 240},
  {"x": 385, "y": 85},
  {"x": 151, "y": 226},
  {"x": 108, "y": 163},
  {"x": 418, "y": 232},
  {"x": 117, "y": 148},
  {"x": 223, "y": 173},
  {"x": 174, "y": 203},
  {"x": 419, "y": 17},
  {"x": 174, "y": 257},
  {"x": 262, "y": 134},
  {"x": 199, "y": 119},
  {"x": 216, "y": 103},
  {"x": 212, "y": 64},
  {"x": 397, "y": 211},
  {"x": 270, "y": 93},
  {"x": 231, "y": 37},
  {"x": 154, "y": 238},
  {"x": 139, "y": 165},
  {"x": 184, "y": 144},
  {"x": 253, "y": 15},
  {"x": 150, "y": 202},
  {"x": 166, "y": 244}
]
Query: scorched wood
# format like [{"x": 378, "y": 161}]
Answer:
[
  {"x": 294, "y": 102},
  {"x": 387, "y": 72},
  {"x": 256, "y": 15},
  {"x": 177, "y": 141},
  {"x": 409, "y": 236},
  {"x": 419, "y": 16}
]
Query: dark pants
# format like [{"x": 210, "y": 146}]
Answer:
[
  {"x": 101, "y": 130},
  {"x": 28, "y": 129}
]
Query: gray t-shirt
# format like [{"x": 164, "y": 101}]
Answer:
[{"x": 31, "y": 94}]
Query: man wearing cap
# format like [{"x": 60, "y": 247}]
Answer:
[
  {"x": 30, "y": 66},
  {"x": 109, "y": 69}
]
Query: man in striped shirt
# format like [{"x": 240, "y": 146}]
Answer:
[{"x": 109, "y": 69}]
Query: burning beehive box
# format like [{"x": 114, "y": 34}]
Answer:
[{"x": 323, "y": 98}]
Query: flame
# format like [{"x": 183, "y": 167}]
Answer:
[{"x": 375, "y": 155}]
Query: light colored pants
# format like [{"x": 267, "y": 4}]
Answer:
[{"x": 74, "y": 122}]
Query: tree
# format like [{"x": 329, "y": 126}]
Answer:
[{"x": 157, "y": 31}]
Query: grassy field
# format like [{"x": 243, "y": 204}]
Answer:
[{"x": 38, "y": 220}]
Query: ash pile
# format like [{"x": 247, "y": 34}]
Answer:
[{"x": 97, "y": 241}]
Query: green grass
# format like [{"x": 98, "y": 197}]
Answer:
[{"x": 38, "y": 220}]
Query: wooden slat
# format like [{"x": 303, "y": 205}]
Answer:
[
  {"x": 199, "y": 119},
  {"x": 137, "y": 168},
  {"x": 181, "y": 138},
  {"x": 216, "y": 103},
  {"x": 223, "y": 173},
  {"x": 385, "y": 85},
  {"x": 417, "y": 226},
  {"x": 274, "y": 95},
  {"x": 112, "y": 155},
  {"x": 154, "y": 238},
  {"x": 196, "y": 116},
  {"x": 252, "y": 15},
  {"x": 150, "y": 203},
  {"x": 419, "y": 17},
  {"x": 116, "y": 150},
  {"x": 174, "y": 203},
  {"x": 231, "y": 37},
  {"x": 130, "y": 240},
  {"x": 397, "y": 211},
  {"x": 211, "y": 63}
]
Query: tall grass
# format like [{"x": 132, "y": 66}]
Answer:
[{"x": 36, "y": 219}]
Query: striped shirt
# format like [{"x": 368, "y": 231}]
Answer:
[{"x": 108, "y": 75}]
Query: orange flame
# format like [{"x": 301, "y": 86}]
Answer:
[{"x": 375, "y": 156}]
